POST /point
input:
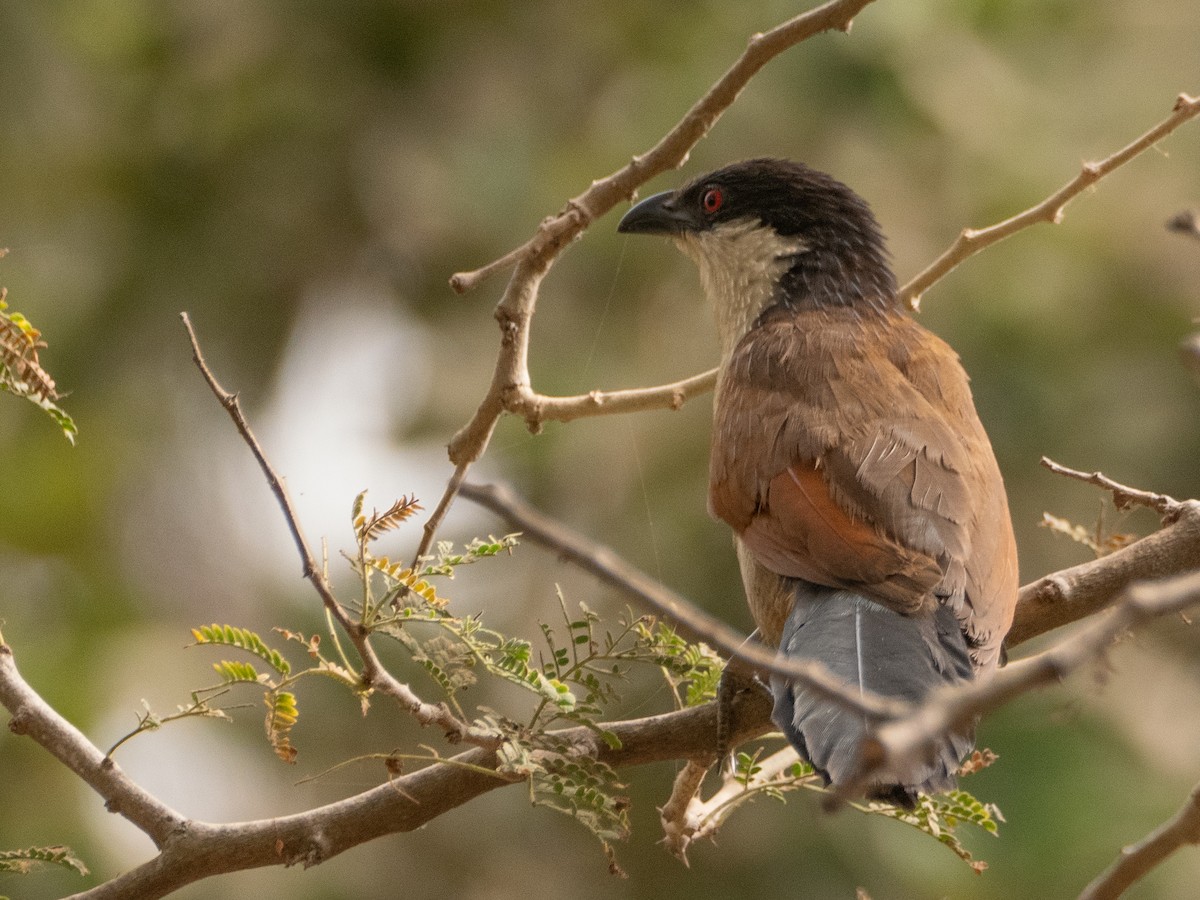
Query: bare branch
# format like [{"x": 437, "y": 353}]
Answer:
[
  {"x": 435, "y": 520},
  {"x": 704, "y": 817},
  {"x": 678, "y": 827},
  {"x": 1051, "y": 210},
  {"x": 1136, "y": 861},
  {"x": 374, "y": 675},
  {"x": 1123, "y": 497},
  {"x": 538, "y": 408},
  {"x": 34, "y": 717}
]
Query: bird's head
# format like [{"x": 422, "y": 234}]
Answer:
[{"x": 768, "y": 231}]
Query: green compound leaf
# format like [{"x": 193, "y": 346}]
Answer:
[
  {"x": 233, "y": 672},
  {"x": 576, "y": 785},
  {"x": 940, "y": 816},
  {"x": 243, "y": 639},
  {"x": 282, "y": 714}
]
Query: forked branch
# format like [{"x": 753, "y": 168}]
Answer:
[{"x": 970, "y": 241}]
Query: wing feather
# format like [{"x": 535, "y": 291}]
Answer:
[{"x": 847, "y": 452}]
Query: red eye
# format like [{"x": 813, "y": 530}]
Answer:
[{"x": 712, "y": 200}]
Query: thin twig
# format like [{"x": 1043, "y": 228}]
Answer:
[
  {"x": 1123, "y": 497},
  {"x": 970, "y": 241},
  {"x": 374, "y": 674},
  {"x": 1136, "y": 861},
  {"x": 435, "y": 519},
  {"x": 537, "y": 409},
  {"x": 229, "y": 401}
]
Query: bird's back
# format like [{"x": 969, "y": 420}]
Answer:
[{"x": 846, "y": 452}]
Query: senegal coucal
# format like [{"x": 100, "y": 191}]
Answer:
[{"x": 871, "y": 523}]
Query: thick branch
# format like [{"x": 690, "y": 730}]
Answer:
[
  {"x": 1073, "y": 594},
  {"x": 1136, "y": 861},
  {"x": 34, "y": 717},
  {"x": 1051, "y": 210},
  {"x": 198, "y": 850}
]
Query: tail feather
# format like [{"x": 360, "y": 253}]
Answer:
[{"x": 882, "y": 652}]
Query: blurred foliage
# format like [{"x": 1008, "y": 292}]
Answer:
[
  {"x": 22, "y": 862},
  {"x": 303, "y": 178},
  {"x": 20, "y": 371}
]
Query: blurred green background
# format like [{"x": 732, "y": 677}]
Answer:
[{"x": 304, "y": 177}]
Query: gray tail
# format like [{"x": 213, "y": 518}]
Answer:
[{"x": 879, "y": 651}]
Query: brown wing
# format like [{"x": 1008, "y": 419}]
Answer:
[{"x": 847, "y": 452}]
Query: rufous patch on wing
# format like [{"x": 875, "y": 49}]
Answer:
[{"x": 800, "y": 531}]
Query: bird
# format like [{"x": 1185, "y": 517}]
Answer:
[{"x": 869, "y": 514}]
